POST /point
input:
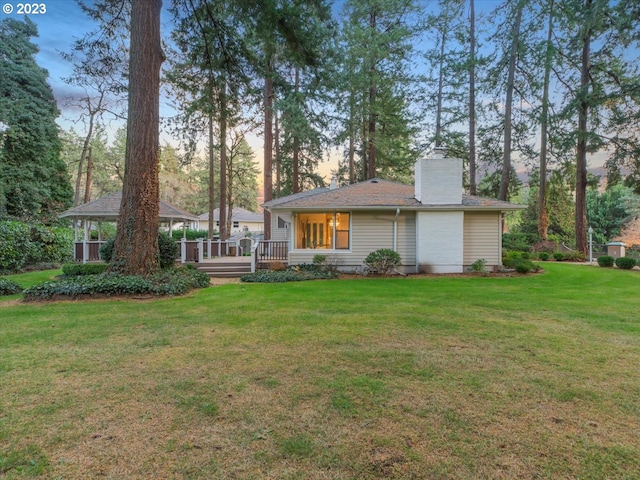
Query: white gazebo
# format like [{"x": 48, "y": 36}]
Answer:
[{"x": 107, "y": 209}]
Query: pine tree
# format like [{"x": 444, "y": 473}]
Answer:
[
  {"x": 136, "y": 244},
  {"x": 34, "y": 183}
]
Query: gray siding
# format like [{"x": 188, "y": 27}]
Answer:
[
  {"x": 482, "y": 238},
  {"x": 370, "y": 231}
]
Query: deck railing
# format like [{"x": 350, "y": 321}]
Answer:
[
  {"x": 201, "y": 249},
  {"x": 268, "y": 251},
  {"x": 87, "y": 251}
]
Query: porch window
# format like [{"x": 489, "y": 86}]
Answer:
[{"x": 323, "y": 230}]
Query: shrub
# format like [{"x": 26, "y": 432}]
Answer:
[
  {"x": 625, "y": 263},
  {"x": 294, "y": 273},
  {"x": 319, "y": 259},
  {"x": 525, "y": 266},
  {"x": 49, "y": 244},
  {"x": 77, "y": 269},
  {"x": 382, "y": 261},
  {"x": 106, "y": 250},
  {"x": 606, "y": 261},
  {"x": 544, "y": 256},
  {"x": 521, "y": 242},
  {"x": 277, "y": 266},
  {"x": 189, "y": 234},
  {"x": 479, "y": 266},
  {"x": 575, "y": 257},
  {"x": 514, "y": 257},
  {"x": 9, "y": 287},
  {"x": 14, "y": 245},
  {"x": 559, "y": 256},
  {"x": 175, "y": 281},
  {"x": 169, "y": 250}
]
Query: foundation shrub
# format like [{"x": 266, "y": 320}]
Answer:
[
  {"x": 293, "y": 273},
  {"x": 382, "y": 261},
  {"x": 606, "y": 261},
  {"x": 625, "y": 263}
]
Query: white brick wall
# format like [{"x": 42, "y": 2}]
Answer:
[
  {"x": 438, "y": 181},
  {"x": 440, "y": 242}
]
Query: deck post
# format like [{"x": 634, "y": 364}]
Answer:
[
  {"x": 200, "y": 250},
  {"x": 183, "y": 250}
]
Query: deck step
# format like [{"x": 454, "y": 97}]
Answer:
[{"x": 224, "y": 270}]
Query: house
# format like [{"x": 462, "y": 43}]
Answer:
[
  {"x": 243, "y": 221},
  {"x": 432, "y": 225}
]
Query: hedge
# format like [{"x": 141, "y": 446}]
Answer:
[{"x": 23, "y": 245}]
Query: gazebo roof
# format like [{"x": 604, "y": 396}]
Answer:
[{"x": 108, "y": 208}]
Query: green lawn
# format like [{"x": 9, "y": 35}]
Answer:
[{"x": 408, "y": 378}]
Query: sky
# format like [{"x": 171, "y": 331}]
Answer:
[
  {"x": 58, "y": 26},
  {"x": 61, "y": 22}
]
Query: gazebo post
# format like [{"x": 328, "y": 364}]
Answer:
[
  {"x": 183, "y": 244},
  {"x": 85, "y": 244},
  {"x": 75, "y": 238}
]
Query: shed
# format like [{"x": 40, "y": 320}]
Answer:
[{"x": 616, "y": 249}]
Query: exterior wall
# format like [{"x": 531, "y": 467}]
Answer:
[
  {"x": 482, "y": 238},
  {"x": 370, "y": 232},
  {"x": 281, "y": 234},
  {"x": 253, "y": 227},
  {"x": 440, "y": 242},
  {"x": 438, "y": 181}
]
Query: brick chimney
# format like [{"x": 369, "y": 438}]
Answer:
[{"x": 438, "y": 180}]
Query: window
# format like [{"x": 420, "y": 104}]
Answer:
[
  {"x": 236, "y": 224},
  {"x": 322, "y": 230}
]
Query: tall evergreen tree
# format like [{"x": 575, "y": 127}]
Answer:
[
  {"x": 602, "y": 93},
  {"x": 34, "y": 183},
  {"x": 378, "y": 82},
  {"x": 136, "y": 244}
]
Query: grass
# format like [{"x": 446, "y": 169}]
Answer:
[{"x": 435, "y": 377}]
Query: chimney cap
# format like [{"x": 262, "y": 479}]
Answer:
[{"x": 440, "y": 151}]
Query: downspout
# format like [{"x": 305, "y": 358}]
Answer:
[{"x": 395, "y": 230}]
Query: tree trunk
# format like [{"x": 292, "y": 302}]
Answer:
[
  {"x": 268, "y": 147},
  {"x": 438, "y": 140},
  {"x": 212, "y": 197},
  {"x": 472, "y": 98},
  {"x": 296, "y": 142},
  {"x": 543, "y": 217},
  {"x": 508, "y": 105},
  {"x": 224, "y": 233},
  {"x": 352, "y": 135},
  {"x": 581, "y": 160},
  {"x": 136, "y": 245},
  {"x": 373, "y": 89},
  {"x": 87, "y": 185},
  {"x": 277, "y": 155}
]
